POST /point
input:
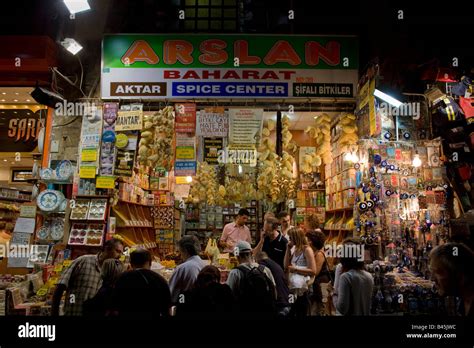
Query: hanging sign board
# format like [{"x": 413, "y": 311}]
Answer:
[
  {"x": 212, "y": 124},
  {"x": 185, "y": 118},
  {"x": 245, "y": 126},
  {"x": 212, "y": 149},
  {"x": 161, "y": 66},
  {"x": 129, "y": 120}
]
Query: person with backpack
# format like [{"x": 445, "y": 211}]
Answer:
[{"x": 252, "y": 284}]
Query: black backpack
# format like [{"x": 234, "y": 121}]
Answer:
[{"x": 257, "y": 292}]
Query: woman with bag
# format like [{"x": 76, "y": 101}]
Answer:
[
  {"x": 320, "y": 296},
  {"x": 301, "y": 269}
]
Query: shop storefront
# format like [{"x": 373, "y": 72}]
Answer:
[{"x": 190, "y": 129}]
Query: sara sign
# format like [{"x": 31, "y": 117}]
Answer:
[
  {"x": 228, "y": 66},
  {"x": 19, "y": 129}
]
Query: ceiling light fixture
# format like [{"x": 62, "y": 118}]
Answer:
[
  {"x": 386, "y": 98},
  {"x": 71, "y": 45},
  {"x": 76, "y": 6}
]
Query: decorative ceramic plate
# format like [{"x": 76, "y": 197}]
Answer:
[
  {"x": 57, "y": 231},
  {"x": 49, "y": 200},
  {"x": 43, "y": 233},
  {"x": 47, "y": 174},
  {"x": 63, "y": 205},
  {"x": 34, "y": 192},
  {"x": 64, "y": 170}
]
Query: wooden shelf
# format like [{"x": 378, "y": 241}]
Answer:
[
  {"x": 92, "y": 196},
  {"x": 339, "y": 210},
  {"x": 143, "y": 205},
  {"x": 128, "y": 224},
  {"x": 9, "y": 199}
]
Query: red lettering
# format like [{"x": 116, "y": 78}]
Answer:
[
  {"x": 191, "y": 74},
  {"x": 171, "y": 74},
  {"x": 270, "y": 75},
  {"x": 241, "y": 51},
  {"x": 213, "y": 52},
  {"x": 231, "y": 74},
  {"x": 215, "y": 74},
  {"x": 250, "y": 74},
  {"x": 140, "y": 51},
  {"x": 287, "y": 74},
  {"x": 177, "y": 50},
  {"x": 331, "y": 54},
  {"x": 282, "y": 52}
]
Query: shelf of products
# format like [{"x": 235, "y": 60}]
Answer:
[
  {"x": 89, "y": 209},
  {"x": 14, "y": 195}
]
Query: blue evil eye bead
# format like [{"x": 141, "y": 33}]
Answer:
[
  {"x": 357, "y": 199},
  {"x": 374, "y": 198},
  {"x": 378, "y": 185},
  {"x": 370, "y": 204},
  {"x": 373, "y": 180},
  {"x": 429, "y": 188},
  {"x": 387, "y": 135},
  {"x": 377, "y": 159},
  {"x": 388, "y": 193},
  {"x": 362, "y": 206},
  {"x": 406, "y": 135},
  {"x": 445, "y": 186},
  {"x": 384, "y": 163},
  {"x": 371, "y": 170},
  {"x": 391, "y": 167},
  {"x": 404, "y": 196},
  {"x": 357, "y": 166},
  {"x": 412, "y": 196},
  {"x": 365, "y": 189}
]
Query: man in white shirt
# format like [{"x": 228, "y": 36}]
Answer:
[{"x": 185, "y": 274}]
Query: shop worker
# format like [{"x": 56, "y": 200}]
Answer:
[
  {"x": 272, "y": 241},
  {"x": 285, "y": 220},
  {"x": 141, "y": 292},
  {"x": 252, "y": 285},
  {"x": 235, "y": 232},
  {"x": 451, "y": 266},
  {"x": 185, "y": 275},
  {"x": 82, "y": 279}
]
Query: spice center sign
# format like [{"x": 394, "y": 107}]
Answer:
[{"x": 223, "y": 66}]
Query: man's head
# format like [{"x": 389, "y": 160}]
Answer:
[
  {"x": 270, "y": 225},
  {"x": 260, "y": 256},
  {"x": 242, "y": 217},
  {"x": 188, "y": 246},
  {"x": 284, "y": 218},
  {"x": 112, "y": 249},
  {"x": 350, "y": 259},
  {"x": 140, "y": 258},
  {"x": 243, "y": 251},
  {"x": 451, "y": 266}
]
